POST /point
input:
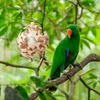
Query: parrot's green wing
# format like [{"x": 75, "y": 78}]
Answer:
[{"x": 58, "y": 61}]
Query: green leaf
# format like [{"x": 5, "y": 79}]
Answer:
[
  {"x": 89, "y": 3},
  {"x": 91, "y": 82},
  {"x": 3, "y": 30},
  {"x": 38, "y": 81},
  {"x": 41, "y": 95},
  {"x": 86, "y": 43},
  {"x": 22, "y": 92},
  {"x": 2, "y": 21},
  {"x": 14, "y": 32},
  {"x": 81, "y": 44},
  {"x": 66, "y": 95},
  {"x": 92, "y": 76},
  {"x": 29, "y": 0},
  {"x": 48, "y": 95},
  {"x": 17, "y": 16},
  {"x": 94, "y": 84},
  {"x": 12, "y": 94},
  {"x": 93, "y": 31},
  {"x": 86, "y": 38},
  {"x": 59, "y": 95}
]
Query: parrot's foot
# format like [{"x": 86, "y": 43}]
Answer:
[
  {"x": 77, "y": 64},
  {"x": 68, "y": 75}
]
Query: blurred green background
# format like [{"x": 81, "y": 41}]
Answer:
[{"x": 15, "y": 14}]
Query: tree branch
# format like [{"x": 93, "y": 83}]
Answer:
[
  {"x": 17, "y": 66},
  {"x": 72, "y": 72},
  {"x": 38, "y": 68}
]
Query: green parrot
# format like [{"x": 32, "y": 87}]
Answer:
[{"x": 66, "y": 52}]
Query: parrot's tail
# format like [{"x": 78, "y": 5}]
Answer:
[{"x": 52, "y": 77}]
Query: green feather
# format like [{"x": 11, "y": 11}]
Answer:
[{"x": 59, "y": 60}]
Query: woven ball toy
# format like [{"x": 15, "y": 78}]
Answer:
[{"x": 31, "y": 42}]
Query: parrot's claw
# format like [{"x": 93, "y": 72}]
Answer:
[{"x": 77, "y": 64}]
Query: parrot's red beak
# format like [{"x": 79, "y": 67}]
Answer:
[{"x": 69, "y": 33}]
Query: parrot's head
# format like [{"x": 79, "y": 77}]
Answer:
[{"x": 72, "y": 31}]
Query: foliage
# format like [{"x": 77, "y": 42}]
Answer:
[{"x": 53, "y": 16}]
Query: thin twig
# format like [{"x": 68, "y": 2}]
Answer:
[
  {"x": 38, "y": 68},
  {"x": 78, "y": 2},
  {"x": 89, "y": 94},
  {"x": 5, "y": 39},
  {"x": 76, "y": 10},
  {"x": 37, "y": 60},
  {"x": 80, "y": 14},
  {"x": 62, "y": 19},
  {"x": 78, "y": 78},
  {"x": 87, "y": 72},
  {"x": 76, "y": 13},
  {"x": 71, "y": 2},
  {"x": 89, "y": 87},
  {"x": 87, "y": 24},
  {"x": 72, "y": 87},
  {"x": 17, "y": 66},
  {"x": 44, "y": 9},
  {"x": 46, "y": 62}
]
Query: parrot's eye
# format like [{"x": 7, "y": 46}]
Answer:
[{"x": 69, "y": 33}]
